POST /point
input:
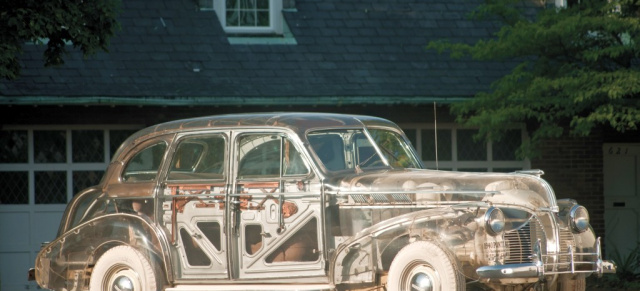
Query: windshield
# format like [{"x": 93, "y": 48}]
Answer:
[{"x": 341, "y": 149}]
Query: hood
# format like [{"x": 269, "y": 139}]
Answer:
[{"x": 452, "y": 187}]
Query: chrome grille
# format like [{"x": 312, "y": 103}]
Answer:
[
  {"x": 520, "y": 242},
  {"x": 563, "y": 256}
]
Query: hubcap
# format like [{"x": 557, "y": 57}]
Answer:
[
  {"x": 422, "y": 282},
  {"x": 421, "y": 277},
  {"x": 122, "y": 283},
  {"x": 123, "y": 279}
]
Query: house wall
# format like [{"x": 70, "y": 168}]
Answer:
[{"x": 573, "y": 167}]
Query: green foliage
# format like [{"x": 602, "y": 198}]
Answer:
[
  {"x": 579, "y": 67},
  {"x": 86, "y": 24},
  {"x": 627, "y": 276}
]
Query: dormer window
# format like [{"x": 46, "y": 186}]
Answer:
[{"x": 247, "y": 16}]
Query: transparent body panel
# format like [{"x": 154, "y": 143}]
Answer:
[{"x": 313, "y": 202}]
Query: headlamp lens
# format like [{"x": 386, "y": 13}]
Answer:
[
  {"x": 494, "y": 221},
  {"x": 579, "y": 218}
]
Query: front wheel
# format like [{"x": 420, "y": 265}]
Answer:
[
  {"x": 424, "y": 266},
  {"x": 123, "y": 268}
]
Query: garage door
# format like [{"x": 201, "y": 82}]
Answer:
[{"x": 40, "y": 170}]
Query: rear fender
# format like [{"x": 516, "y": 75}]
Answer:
[{"x": 67, "y": 261}]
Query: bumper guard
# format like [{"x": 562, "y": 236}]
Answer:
[{"x": 540, "y": 269}]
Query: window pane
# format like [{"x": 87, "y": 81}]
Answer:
[
  {"x": 88, "y": 146},
  {"x": 199, "y": 157},
  {"x": 144, "y": 165},
  {"x": 366, "y": 154},
  {"x": 232, "y": 18},
  {"x": 505, "y": 150},
  {"x": 262, "y": 4},
  {"x": 248, "y": 13},
  {"x": 468, "y": 148},
  {"x": 51, "y": 187},
  {"x": 411, "y": 135},
  {"x": 263, "y": 18},
  {"x": 259, "y": 155},
  {"x": 247, "y": 18},
  {"x": 428, "y": 145},
  {"x": 14, "y": 147},
  {"x": 50, "y": 146},
  {"x": 330, "y": 149},
  {"x": 292, "y": 162},
  {"x": 85, "y": 179},
  {"x": 394, "y": 148},
  {"x": 15, "y": 187},
  {"x": 116, "y": 137}
]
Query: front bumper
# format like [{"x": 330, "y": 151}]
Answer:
[{"x": 538, "y": 268}]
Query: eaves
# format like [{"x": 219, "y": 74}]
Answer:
[{"x": 227, "y": 101}]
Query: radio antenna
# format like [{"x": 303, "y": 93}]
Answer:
[{"x": 435, "y": 133}]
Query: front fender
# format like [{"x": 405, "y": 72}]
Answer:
[
  {"x": 62, "y": 264},
  {"x": 371, "y": 250}
]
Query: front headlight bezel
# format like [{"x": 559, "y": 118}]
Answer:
[
  {"x": 579, "y": 218},
  {"x": 494, "y": 221}
]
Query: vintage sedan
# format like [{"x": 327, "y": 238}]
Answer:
[{"x": 308, "y": 201}]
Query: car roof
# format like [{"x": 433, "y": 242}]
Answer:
[{"x": 299, "y": 122}]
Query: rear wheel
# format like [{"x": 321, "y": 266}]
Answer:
[
  {"x": 424, "y": 266},
  {"x": 123, "y": 268}
]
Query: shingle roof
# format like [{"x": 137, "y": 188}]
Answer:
[{"x": 360, "y": 48}]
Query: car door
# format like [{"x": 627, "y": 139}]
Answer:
[
  {"x": 194, "y": 203},
  {"x": 275, "y": 209}
]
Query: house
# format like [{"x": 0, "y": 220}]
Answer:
[{"x": 183, "y": 58}]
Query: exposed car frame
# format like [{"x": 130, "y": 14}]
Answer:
[{"x": 310, "y": 201}]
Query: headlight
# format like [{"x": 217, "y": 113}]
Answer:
[
  {"x": 579, "y": 218},
  {"x": 494, "y": 221}
]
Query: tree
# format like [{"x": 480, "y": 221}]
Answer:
[
  {"x": 577, "y": 68},
  {"x": 86, "y": 24}
]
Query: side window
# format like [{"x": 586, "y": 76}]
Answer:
[
  {"x": 145, "y": 164},
  {"x": 292, "y": 162},
  {"x": 200, "y": 157},
  {"x": 330, "y": 150},
  {"x": 268, "y": 156}
]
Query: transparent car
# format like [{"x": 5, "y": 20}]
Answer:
[{"x": 309, "y": 201}]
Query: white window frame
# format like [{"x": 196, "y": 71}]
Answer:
[
  {"x": 454, "y": 164},
  {"x": 275, "y": 19},
  {"x": 31, "y": 167}
]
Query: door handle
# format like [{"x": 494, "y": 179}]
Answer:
[
  {"x": 281, "y": 226},
  {"x": 234, "y": 214}
]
